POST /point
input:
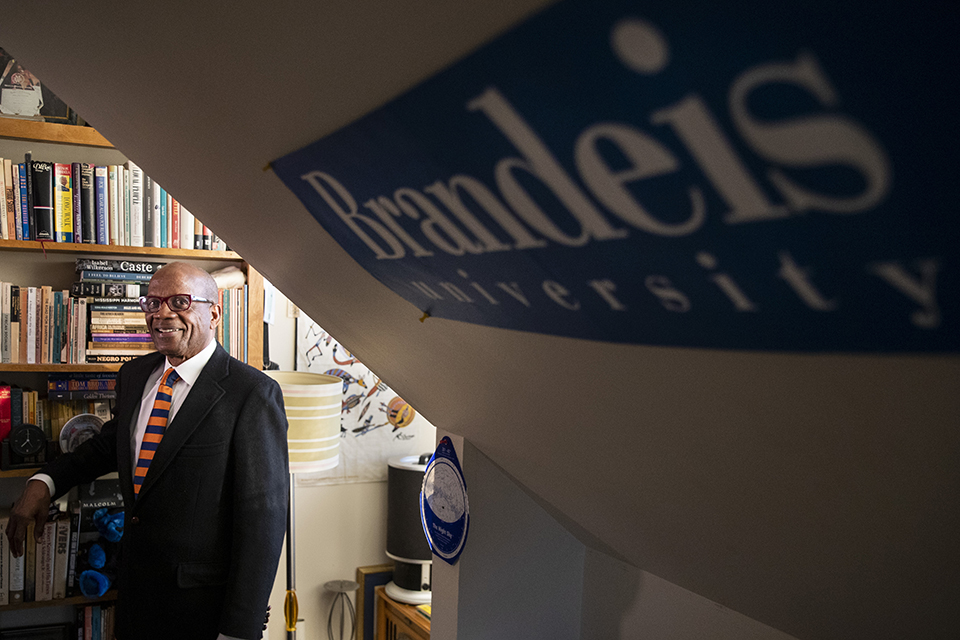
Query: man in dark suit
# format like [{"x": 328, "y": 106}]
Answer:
[{"x": 203, "y": 531}]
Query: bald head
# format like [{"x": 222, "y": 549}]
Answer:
[{"x": 180, "y": 335}]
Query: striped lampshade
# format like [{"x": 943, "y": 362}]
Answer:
[{"x": 313, "y": 402}]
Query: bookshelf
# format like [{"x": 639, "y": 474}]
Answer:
[{"x": 31, "y": 263}]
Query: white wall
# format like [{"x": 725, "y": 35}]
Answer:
[
  {"x": 523, "y": 576},
  {"x": 339, "y": 527}
]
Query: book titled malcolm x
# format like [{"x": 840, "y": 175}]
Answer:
[{"x": 122, "y": 266}]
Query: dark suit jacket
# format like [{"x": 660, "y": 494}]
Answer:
[{"x": 202, "y": 541}]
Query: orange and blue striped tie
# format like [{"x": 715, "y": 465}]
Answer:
[{"x": 156, "y": 425}]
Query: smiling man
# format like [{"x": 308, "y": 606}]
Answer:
[{"x": 199, "y": 441}]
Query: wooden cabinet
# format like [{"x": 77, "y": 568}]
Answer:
[{"x": 399, "y": 621}]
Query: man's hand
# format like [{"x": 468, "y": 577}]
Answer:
[{"x": 32, "y": 506}]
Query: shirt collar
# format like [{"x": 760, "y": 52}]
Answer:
[{"x": 189, "y": 370}]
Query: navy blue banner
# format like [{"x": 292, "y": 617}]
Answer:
[{"x": 720, "y": 175}]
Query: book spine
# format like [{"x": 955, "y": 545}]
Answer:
[
  {"x": 164, "y": 222},
  {"x": 63, "y": 202},
  {"x": 108, "y": 290},
  {"x": 8, "y": 199},
  {"x": 30, "y": 564},
  {"x": 156, "y": 192},
  {"x": 75, "y": 171},
  {"x": 5, "y": 328},
  {"x": 31, "y": 325},
  {"x": 148, "y": 226},
  {"x": 6, "y": 412},
  {"x": 124, "y": 266},
  {"x": 175, "y": 225},
  {"x": 111, "y": 359},
  {"x": 62, "y": 548},
  {"x": 14, "y": 324},
  {"x": 207, "y": 238},
  {"x": 17, "y": 578},
  {"x": 102, "y": 204},
  {"x": 136, "y": 205},
  {"x": 113, "y": 202},
  {"x": 40, "y": 180},
  {"x": 31, "y": 233},
  {"x": 74, "y": 510},
  {"x": 88, "y": 203},
  {"x": 4, "y": 229},
  {"x": 115, "y": 276},
  {"x": 4, "y": 562},
  {"x": 46, "y": 326},
  {"x": 82, "y": 395},
  {"x": 125, "y": 202},
  {"x": 46, "y": 558},
  {"x": 25, "y": 229},
  {"x": 82, "y": 333}
]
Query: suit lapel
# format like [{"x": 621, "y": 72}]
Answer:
[{"x": 199, "y": 402}]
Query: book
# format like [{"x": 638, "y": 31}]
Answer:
[
  {"x": 155, "y": 194},
  {"x": 122, "y": 266},
  {"x": 113, "y": 202},
  {"x": 207, "y": 238},
  {"x": 197, "y": 233},
  {"x": 102, "y": 204},
  {"x": 62, "y": 202},
  {"x": 73, "y": 510},
  {"x": 115, "y": 276},
  {"x": 7, "y": 196},
  {"x": 148, "y": 237},
  {"x": 5, "y": 412},
  {"x": 88, "y": 204},
  {"x": 30, "y": 564},
  {"x": 117, "y": 328},
  {"x": 111, "y": 359},
  {"x": 4, "y": 229},
  {"x": 61, "y": 549},
  {"x": 5, "y": 336},
  {"x": 125, "y": 204},
  {"x": 120, "y": 337},
  {"x": 26, "y": 228},
  {"x": 14, "y": 324},
  {"x": 31, "y": 341},
  {"x": 4, "y": 559},
  {"x": 164, "y": 219},
  {"x": 45, "y": 338},
  {"x": 75, "y": 171},
  {"x": 46, "y": 555},
  {"x": 186, "y": 228},
  {"x": 78, "y": 380},
  {"x": 117, "y": 290},
  {"x": 26, "y": 184},
  {"x": 175, "y": 224},
  {"x": 136, "y": 205},
  {"x": 40, "y": 179},
  {"x": 82, "y": 395},
  {"x": 24, "y": 324}
]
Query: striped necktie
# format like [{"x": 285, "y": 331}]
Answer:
[{"x": 156, "y": 425}]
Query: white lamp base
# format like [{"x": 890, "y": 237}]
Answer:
[{"x": 406, "y": 595}]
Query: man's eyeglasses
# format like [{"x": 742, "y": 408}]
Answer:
[{"x": 177, "y": 302}]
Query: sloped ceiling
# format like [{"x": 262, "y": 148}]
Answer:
[{"x": 815, "y": 493}]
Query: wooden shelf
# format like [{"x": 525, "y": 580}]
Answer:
[
  {"x": 120, "y": 250},
  {"x": 17, "y": 473},
  {"x": 61, "y": 368},
  {"x": 109, "y": 596},
  {"x": 51, "y": 132}
]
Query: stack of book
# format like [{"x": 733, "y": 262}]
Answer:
[
  {"x": 117, "y": 330},
  {"x": 95, "y": 204},
  {"x": 232, "y": 332}
]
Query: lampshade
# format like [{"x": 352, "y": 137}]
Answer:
[{"x": 313, "y": 402}]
